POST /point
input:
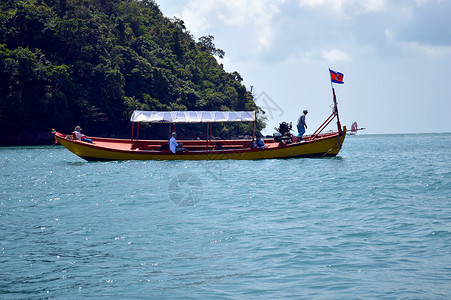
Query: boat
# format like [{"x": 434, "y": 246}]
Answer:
[
  {"x": 279, "y": 146},
  {"x": 354, "y": 128},
  {"x": 282, "y": 144}
]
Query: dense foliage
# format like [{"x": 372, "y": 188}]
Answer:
[{"x": 92, "y": 62}]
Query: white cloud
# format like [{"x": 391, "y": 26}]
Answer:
[
  {"x": 421, "y": 2},
  {"x": 341, "y": 6},
  {"x": 241, "y": 13},
  {"x": 409, "y": 48},
  {"x": 389, "y": 35},
  {"x": 252, "y": 16},
  {"x": 375, "y": 5},
  {"x": 196, "y": 15},
  {"x": 335, "y": 56},
  {"x": 432, "y": 52}
]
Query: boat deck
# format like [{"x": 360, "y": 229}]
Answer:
[{"x": 190, "y": 145}]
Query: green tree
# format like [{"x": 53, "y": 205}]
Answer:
[{"x": 91, "y": 62}]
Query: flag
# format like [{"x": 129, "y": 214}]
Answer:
[{"x": 336, "y": 76}]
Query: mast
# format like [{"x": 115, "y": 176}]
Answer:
[
  {"x": 340, "y": 131},
  {"x": 337, "y": 78}
]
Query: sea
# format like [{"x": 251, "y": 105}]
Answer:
[{"x": 372, "y": 223}]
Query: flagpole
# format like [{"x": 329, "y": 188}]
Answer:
[
  {"x": 331, "y": 83},
  {"x": 336, "y": 113}
]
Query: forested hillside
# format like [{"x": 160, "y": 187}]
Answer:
[{"x": 92, "y": 62}]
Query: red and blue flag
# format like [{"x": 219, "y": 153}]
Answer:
[{"x": 336, "y": 77}]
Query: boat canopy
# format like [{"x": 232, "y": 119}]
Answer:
[{"x": 192, "y": 116}]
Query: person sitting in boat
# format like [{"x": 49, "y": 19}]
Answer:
[
  {"x": 80, "y": 136},
  {"x": 174, "y": 146},
  {"x": 301, "y": 124},
  {"x": 259, "y": 143}
]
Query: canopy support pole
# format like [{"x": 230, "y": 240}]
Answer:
[
  {"x": 208, "y": 138},
  {"x": 253, "y": 129}
]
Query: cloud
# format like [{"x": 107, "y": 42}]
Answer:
[
  {"x": 346, "y": 6},
  {"x": 429, "y": 24},
  {"x": 274, "y": 31},
  {"x": 418, "y": 48},
  {"x": 386, "y": 28},
  {"x": 197, "y": 15},
  {"x": 432, "y": 52},
  {"x": 335, "y": 56},
  {"x": 252, "y": 18},
  {"x": 421, "y": 29}
]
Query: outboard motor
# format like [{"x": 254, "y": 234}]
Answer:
[
  {"x": 284, "y": 128},
  {"x": 283, "y": 132},
  {"x": 277, "y": 137}
]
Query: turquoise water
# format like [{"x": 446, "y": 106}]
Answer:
[{"x": 374, "y": 222}]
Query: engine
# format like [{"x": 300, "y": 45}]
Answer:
[{"x": 283, "y": 132}]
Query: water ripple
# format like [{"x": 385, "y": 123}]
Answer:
[{"x": 372, "y": 223}]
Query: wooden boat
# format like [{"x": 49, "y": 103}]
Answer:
[
  {"x": 316, "y": 145},
  {"x": 354, "y": 128},
  {"x": 323, "y": 145},
  {"x": 284, "y": 145}
]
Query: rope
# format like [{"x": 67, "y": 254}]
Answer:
[
  {"x": 337, "y": 144},
  {"x": 42, "y": 151}
]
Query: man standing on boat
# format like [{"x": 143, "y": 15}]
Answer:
[{"x": 301, "y": 124}]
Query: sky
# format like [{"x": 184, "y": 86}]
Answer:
[{"x": 395, "y": 56}]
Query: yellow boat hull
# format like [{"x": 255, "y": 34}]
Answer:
[{"x": 322, "y": 146}]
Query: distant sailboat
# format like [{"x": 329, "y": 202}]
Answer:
[{"x": 354, "y": 129}]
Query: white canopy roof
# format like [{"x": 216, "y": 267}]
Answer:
[{"x": 192, "y": 116}]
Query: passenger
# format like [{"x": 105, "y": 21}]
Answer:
[
  {"x": 174, "y": 146},
  {"x": 80, "y": 136},
  {"x": 301, "y": 124},
  {"x": 259, "y": 143}
]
